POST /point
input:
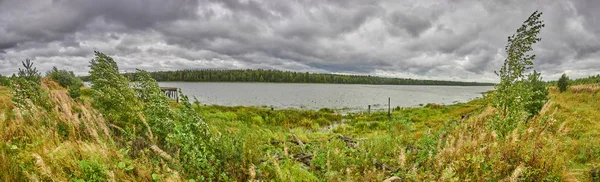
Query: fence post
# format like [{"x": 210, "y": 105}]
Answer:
[
  {"x": 369, "y": 110},
  {"x": 389, "y": 107}
]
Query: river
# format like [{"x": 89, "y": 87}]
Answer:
[{"x": 315, "y": 96}]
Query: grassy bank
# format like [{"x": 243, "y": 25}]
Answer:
[{"x": 73, "y": 141}]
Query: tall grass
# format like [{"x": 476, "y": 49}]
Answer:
[{"x": 72, "y": 141}]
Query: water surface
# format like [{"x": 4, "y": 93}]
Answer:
[{"x": 315, "y": 96}]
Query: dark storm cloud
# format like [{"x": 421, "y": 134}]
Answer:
[
  {"x": 411, "y": 24},
  {"x": 451, "y": 40}
]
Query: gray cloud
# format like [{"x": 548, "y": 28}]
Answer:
[{"x": 450, "y": 40}]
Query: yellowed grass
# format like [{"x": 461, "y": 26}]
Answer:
[
  {"x": 48, "y": 156},
  {"x": 51, "y": 84},
  {"x": 576, "y": 117},
  {"x": 589, "y": 88}
]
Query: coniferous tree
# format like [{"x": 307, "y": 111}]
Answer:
[
  {"x": 29, "y": 72},
  {"x": 563, "y": 83},
  {"x": 209, "y": 75}
]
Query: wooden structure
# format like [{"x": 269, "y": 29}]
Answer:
[{"x": 171, "y": 93}]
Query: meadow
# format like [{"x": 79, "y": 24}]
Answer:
[{"x": 73, "y": 141}]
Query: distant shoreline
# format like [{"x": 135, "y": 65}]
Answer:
[
  {"x": 276, "y": 76},
  {"x": 490, "y": 84}
]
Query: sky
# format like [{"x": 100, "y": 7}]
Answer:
[{"x": 459, "y": 40}]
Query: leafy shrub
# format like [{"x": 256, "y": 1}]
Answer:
[
  {"x": 74, "y": 92},
  {"x": 326, "y": 110},
  {"x": 563, "y": 83},
  {"x": 86, "y": 92},
  {"x": 92, "y": 170},
  {"x": 4, "y": 81},
  {"x": 195, "y": 143},
  {"x": 519, "y": 93},
  {"x": 539, "y": 94},
  {"x": 66, "y": 79},
  {"x": 156, "y": 105},
  {"x": 26, "y": 88},
  {"x": 62, "y": 77},
  {"x": 111, "y": 92}
]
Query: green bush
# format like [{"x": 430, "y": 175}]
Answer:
[
  {"x": 86, "y": 92},
  {"x": 4, "y": 81},
  {"x": 92, "y": 170},
  {"x": 74, "y": 92},
  {"x": 563, "y": 83},
  {"x": 62, "y": 77},
  {"x": 26, "y": 87},
  {"x": 519, "y": 92},
  {"x": 326, "y": 110},
  {"x": 66, "y": 79},
  {"x": 111, "y": 93},
  {"x": 156, "y": 105},
  {"x": 539, "y": 94},
  {"x": 195, "y": 143}
]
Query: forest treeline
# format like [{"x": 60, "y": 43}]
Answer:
[
  {"x": 588, "y": 80},
  {"x": 594, "y": 79},
  {"x": 260, "y": 75}
]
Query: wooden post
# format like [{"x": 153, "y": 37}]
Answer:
[
  {"x": 171, "y": 93},
  {"x": 369, "y": 110},
  {"x": 389, "y": 108}
]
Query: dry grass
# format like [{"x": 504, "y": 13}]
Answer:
[
  {"x": 560, "y": 144},
  {"x": 576, "y": 118},
  {"x": 51, "y": 84},
  {"x": 40, "y": 145},
  {"x": 589, "y": 88}
]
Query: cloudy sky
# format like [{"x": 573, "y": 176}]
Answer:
[{"x": 425, "y": 39}]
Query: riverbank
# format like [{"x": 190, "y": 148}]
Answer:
[{"x": 432, "y": 142}]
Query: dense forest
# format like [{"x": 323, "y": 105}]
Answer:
[
  {"x": 594, "y": 79},
  {"x": 260, "y": 75},
  {"x": 588, "y": 80}
]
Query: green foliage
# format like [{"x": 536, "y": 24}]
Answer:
[
  {"x": 74, "y": 91},
  {"x": 26, "y": 89},
  {"x": 86, "y": 92},
  {"x": 192, "y": 139},
  {"x": 539, "y": 94},
  {"x": 594, "y": 79},
  {"x": 519, "y": 94},
  {"x": 63, "y": 77},
  {"x": 68, "y": 80},
  {"x": 4, "y": 81},
  {"x": 563, "y": 83},
  {"x": 218, "y": 143},
  {"x": 29, "y": 72},
  {"x": 156, "y": 105},
  {"x": 92, "y": 170},
  {"x": 111, "y": 92}
]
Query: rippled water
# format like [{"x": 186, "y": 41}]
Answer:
[{"x": 314, "y": 96}]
